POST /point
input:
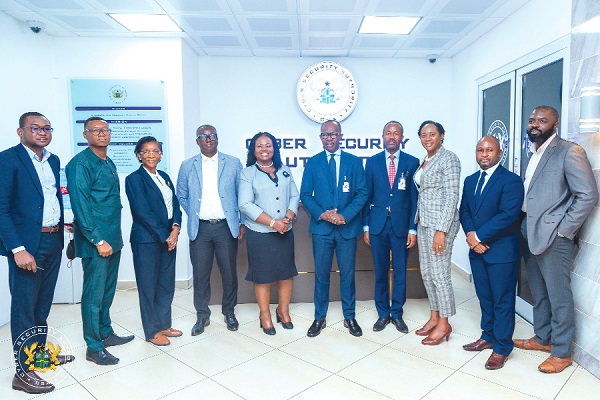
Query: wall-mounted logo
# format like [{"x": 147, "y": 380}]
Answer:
[
  {"x": 117, "y": 94},
  {"x": 327, "y": 90},
  {"x": 498, "y": 130}
]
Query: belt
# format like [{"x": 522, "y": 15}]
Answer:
[
  {"x": 212, "y": 221},
  {"x": 50, "y": 229}
]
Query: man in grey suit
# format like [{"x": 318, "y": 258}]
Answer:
[
  {"x": 207, "y": 188},
  {"x": 560, "y": 192}
]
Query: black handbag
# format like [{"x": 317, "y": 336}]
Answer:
[{"x": 71, "y": 249}]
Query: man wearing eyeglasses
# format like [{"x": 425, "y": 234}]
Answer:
[
  {"x": 94, "y": 190},
  {"x": 207, "y": 189},
  {"x": 334, "y": 191},
  {"x": 31, "y": 238}
]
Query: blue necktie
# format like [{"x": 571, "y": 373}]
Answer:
[
  {"x": 479, "y": 186},
  {"x": 332, "y": 177}
]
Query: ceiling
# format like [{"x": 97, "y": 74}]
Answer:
[{"x": 280, "y": 28}]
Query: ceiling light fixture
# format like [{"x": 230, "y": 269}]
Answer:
[
  {"x": 146, "y": 22},
  {"x": 388, "y": 25}
]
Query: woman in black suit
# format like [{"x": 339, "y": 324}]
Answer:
[{"x": 154, "y": 234}]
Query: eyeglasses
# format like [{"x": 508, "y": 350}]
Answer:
[
  {"x": 150, "y": 153},
  {"x": 36, "y": 130},
  {"x": 202, "y": 136},
  {"x": 331, "y": 135},
  {"x": 97, "y": 132}
]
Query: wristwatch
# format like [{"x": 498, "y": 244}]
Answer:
[{"x": 100, "y": 243}]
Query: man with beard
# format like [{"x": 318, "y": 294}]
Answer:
[
  {"x": 560, "y": 192},
  {"x": 389, "y": 223}
]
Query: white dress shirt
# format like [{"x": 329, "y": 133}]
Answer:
[
  {"x": 210, "y": 202},
  {"x": 489, "y": 172},
  {"x": 166, "y": 191},
  {"x": 536, "y": 156}
]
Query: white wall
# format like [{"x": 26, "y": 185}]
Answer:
[{"x": 535, "y": 25}]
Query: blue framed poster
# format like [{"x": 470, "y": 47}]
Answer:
[{"x": 133, "y": 108}]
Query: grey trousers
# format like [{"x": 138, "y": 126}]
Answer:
[
  {"x": 549, "y": 277},
  {"x": 435, "y": 270}
]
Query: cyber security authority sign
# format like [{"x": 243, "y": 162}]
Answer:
[{"x": 327, "y": 90}]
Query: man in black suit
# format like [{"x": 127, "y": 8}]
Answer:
[{"x": 31, "y": 235}]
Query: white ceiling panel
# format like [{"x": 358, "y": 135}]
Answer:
[{"x": 271, "y": 28}]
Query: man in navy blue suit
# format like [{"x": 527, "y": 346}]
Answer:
[
  {"x": 389, "y": 223},
  {"x": 31, "y": 238},
  {"x": 334, "y": 191},
  {"x": 489, "y": 214}
]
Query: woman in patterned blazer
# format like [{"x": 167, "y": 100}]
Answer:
[{"x": 438, "y": 182}]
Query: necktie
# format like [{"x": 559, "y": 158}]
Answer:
[
  {"x": 333, "y": 179},
  {"x": 479, "y": 186},
  {"x": 392, "y": 171}
]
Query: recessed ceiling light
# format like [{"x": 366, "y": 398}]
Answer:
[
  {"x": 388, "y": 25},
  {"x": 146, "y": 22},
  {"x": 589, "y": 26}
]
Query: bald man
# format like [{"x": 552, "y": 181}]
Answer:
[{"x": 489, "y": 214}]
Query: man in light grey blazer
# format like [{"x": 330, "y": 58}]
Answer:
[
  {"x": 207, "y": 188},
  {"x": 560, "y": 193}
]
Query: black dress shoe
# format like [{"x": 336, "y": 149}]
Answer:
[
  {"x": 400, "y": 325},
  {"x": 232, "y": 322},
  {"x": 116, "y": 340},
  {"x": 269, "y": 331},
  {"x": 353, "y": 327},
  {"x": 285, "y": 325},
  {"x": 316, "y": 328},
  {"x": 102, "y": 357},
  {"x": 381, "y": 323},
  {"x": 65, "y": 358},
  {"x": 198, "y": 327},
  {"x": 31, "y": 383}
]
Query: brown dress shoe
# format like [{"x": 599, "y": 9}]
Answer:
[
  {"x": 160, "y": 340},
  {"x": 424, "y": 332},
  {"x": 31, "y": 383},
  {"x": 478, "y": 345},
  {"x": 531, "y": 344},
  {"x": 496, "y": 361},
  {"x": 554, "y": 365},
  {"x": 171, "y": 332}
]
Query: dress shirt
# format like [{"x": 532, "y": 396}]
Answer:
[
  {"x": 166, "y": 192},
  {"x": 51, "y": 215},
  {"x": 210, "y": 202},
  {"x": 489, "y": 172},
  {"x": 536, "y": 156}
]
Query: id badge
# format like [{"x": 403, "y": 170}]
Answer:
[
  {"x": 402, "y": 182},
  {"x": 346, "y": 186}
]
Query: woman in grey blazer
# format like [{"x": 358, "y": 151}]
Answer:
[
  {"x": 268, "y": 196},
  {"x": 438, "y": 182}
]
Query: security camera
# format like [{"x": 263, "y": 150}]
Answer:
[
  {"x": 35, "y": 26},
  {"x": 432, "y": 58}
]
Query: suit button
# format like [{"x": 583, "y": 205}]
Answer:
[
  {"x": 278, "y": 211},
  {"x": 276, "y": 198}
]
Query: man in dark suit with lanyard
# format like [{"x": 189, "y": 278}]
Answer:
[
  {"x": 389, "y": 223},
  {"x": 31, "y": 234},
  {"x": 334, "y": 192},
  {"x": 489, "y": 214}
]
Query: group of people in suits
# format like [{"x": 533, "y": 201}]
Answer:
[{"x": 396, "y": 202}]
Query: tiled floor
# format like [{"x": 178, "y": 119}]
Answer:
[{"x": 251, "y": 365}]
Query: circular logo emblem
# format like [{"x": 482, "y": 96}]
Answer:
[
  {"x": 498, "y": 130},
  {"x": 327, "y": 90},
  {"x": 41, "y": 349},
  {"x": 117, "y": 94}
]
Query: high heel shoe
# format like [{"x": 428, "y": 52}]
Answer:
[
  {"x": 434, "y": 342},
  {"x": 424, "y": 332},
  {"x": 268, "y": 331},
  {"x": 286, "y": 325}
]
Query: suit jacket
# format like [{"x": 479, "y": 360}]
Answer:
[
  {"x": 95, "y": 195},
  {"x": 402, "y": 203},
  {"x": 22, "y": 200},
  {"x": 150, "y": 219},
  {"x": 561, "y": 195},
  {"x": 317, "y": 196},
  {"x": 495, "y": 216},
  {"x": 189, "y": 191},
  {"x": 438, "y": 192}
]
